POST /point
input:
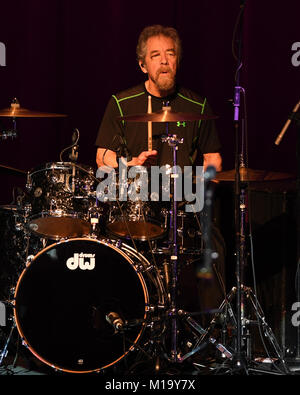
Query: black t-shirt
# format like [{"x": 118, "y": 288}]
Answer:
[{"x": 199, "y": 137}]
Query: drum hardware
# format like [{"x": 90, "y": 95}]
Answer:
[
  {"x": 4, "y": 350},
  {"x": 240, "y": 362},
  {"x": 172, "y": 313},
  {"x": 5, "y": 134},
  {"x": 73, "y": 155},
  {"x": 226, "y": 317}
]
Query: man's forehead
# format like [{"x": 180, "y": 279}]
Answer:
[{"x": 155, "y": 43}]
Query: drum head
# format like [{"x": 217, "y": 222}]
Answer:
[
  {"x": 56, "y": 228},
  {"x": 137, "y": 230},
  {"x": 63, "y": 298}
]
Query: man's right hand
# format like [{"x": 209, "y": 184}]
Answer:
[
  {"x": 145, "y": 158},
  {"x": 109, "y": 158}
]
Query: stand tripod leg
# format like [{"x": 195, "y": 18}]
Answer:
[
  {"x": 4, "y": 350},
  {"x": 202, "y": 331},
  {"x": 247, "y": 294},
  {"x": 225, "y": 305},
  {"x": 266, "y": 328}
]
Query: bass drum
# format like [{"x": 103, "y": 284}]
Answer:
[{"x": 64, "y": 296}]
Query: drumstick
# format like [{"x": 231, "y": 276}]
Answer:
[{"x": 149, "y": 125}]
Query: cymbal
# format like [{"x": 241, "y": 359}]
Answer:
[
  {"x": 16, "y": 111},
  {"x": 166, "y": 115},
  {"x": 13, "y": 169},
  {"x": 251, "y": 175}
]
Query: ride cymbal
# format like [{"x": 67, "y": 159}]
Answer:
[
  {"x": 166, "y": 115},
  {"x": 251, "y": 175},
  {"x": 16, "y": 111}
]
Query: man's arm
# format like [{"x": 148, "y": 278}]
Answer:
[
  {"x": 212, "y": 159},
  {"x": 106, "y": 157}
]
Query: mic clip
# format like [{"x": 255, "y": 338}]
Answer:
[{"x": 73, "y": 156}]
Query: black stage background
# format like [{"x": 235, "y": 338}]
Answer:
[{"x": 68, "y": 57}]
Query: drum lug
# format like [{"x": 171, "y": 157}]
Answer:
[
  {"x": 139, "y": 268},
  {"x": 29, "y": 260},
  {"x": 24, "y": 343},
  {"x": 150, "y": 308}
]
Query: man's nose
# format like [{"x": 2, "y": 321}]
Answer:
[{"x": 164, "y": 59}]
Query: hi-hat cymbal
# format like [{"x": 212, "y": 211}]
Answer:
[
  {"x": 16, "y": 111},
  {"x": 166, "y": 115},
  {"x": 251, "y": 175}
]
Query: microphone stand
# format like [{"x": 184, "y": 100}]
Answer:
[
  {"x": 173, "y": 142},
  {"x": 73, "y": 156},
  {"x": 239, "y": 212},
  {"x": 295, "y": 116},
  {"x": 241, "y": 356}
]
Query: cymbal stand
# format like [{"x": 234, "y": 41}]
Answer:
[
  {"x": 173, "y": 142},
  {"x": 174, "y": 312}
]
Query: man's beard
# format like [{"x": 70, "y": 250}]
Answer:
[{"x": 164, "y": 82}]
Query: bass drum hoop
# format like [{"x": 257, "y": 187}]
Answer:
[{"x": 110, "y": 244}]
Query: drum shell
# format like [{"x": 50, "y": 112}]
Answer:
[
  {"x": 60, "y": 195},
  {"x": 61, "y": 310}
]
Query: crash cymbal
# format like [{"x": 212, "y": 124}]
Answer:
[
  {"x": 16, "y": 111},
  {"x": 166, "y": 115},
  {"x": 251, "y": 175}
]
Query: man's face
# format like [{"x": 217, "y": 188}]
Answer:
[{"x": 160, "y": 62}]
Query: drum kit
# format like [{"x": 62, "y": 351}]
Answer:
[{"x": 90, "y": 285}]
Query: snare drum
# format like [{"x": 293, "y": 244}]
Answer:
[{"x": 132, "y": 214}]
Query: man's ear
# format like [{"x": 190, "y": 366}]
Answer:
[{"x": 143, "y": 67}]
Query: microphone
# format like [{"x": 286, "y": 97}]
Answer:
[
  {"x": 74, "y": 153},
  {"x": 236, "y": 102},
  {"x": 115, "y": 320},
  {"x": 287, "y": 124}
]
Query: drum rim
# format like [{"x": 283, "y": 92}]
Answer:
[
  {"x": 47, "y": 213},
  {"x": 58, "y": 166},
  {"x": 18, "y": 323}
]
